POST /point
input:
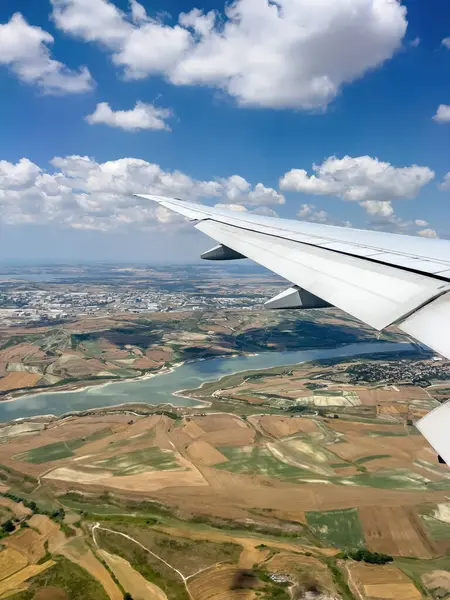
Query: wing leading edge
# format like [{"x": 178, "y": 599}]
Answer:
[{"x": 380, "y": 278}]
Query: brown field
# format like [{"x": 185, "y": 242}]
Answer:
[
  {"x": 131, "y": 580},
  {"x": 19, "y": 379},
  {"x": 202, "y": 453},
  {"x": 239, "y": 436},
  {"x": 283, "y": 426},
  {"x": 16, "y": 581},
  {"x": 439, "y": 581},
  {"x": 193, "y": 429},
  {"x": 224, "y": 583},
  {"x": 395, "y": 530},
  {"x": 18, "y": 509},
  {"x": 27, "y": 542},
  {"x": 212, "y": 423},
  {"x": 78, "y": 552},
  {"x": 11, "y": 561},
  {"x": 20, "y": 352},
  {"x": 382, "y": 582}
]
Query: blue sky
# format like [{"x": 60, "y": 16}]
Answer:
[{"x": 257, "y": 95}]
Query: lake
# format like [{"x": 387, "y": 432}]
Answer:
[{"x": 160, "y": 388}]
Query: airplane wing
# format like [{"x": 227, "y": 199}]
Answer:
[{"x": 383, "y": 279}]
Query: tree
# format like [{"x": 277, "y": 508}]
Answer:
[
  {"x": 8, "y": 526},
  {"x": 127, "y": 596}
]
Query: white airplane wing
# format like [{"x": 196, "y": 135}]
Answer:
[{"x": 380, "y": 278}]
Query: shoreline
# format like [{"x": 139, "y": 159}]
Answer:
[{"x": 181, "y": 393}]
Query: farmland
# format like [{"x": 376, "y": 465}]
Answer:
[{"x": 265, "y": 491}]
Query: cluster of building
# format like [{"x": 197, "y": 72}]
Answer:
[
  {"x": 404, "y": 371},
  {"x": 22, "y": 306}
]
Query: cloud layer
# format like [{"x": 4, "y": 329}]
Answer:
[
  {"x": 293, "y": 53},
  {"x": 82, "y": 193},
  {"x": 24, "y": 49}
]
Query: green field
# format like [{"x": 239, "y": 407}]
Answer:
[
  {"x": 59, "y": 450},
  {"x": 139, "y": 461},
  {"x": 75, "y": 581},
  {"x": 339, "y": 528},
  {"x": 258, "y": 460}
]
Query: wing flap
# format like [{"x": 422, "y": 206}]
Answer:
[{"x": 377, "y": 294}]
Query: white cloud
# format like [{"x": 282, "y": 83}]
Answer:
[
  {"x": 293, "y": 53},
  {"x": 24, "y": 49},
  {"x": 310, "y": 213},
  {"x": 359, "y": 179},
  {"x": 446, "y": 42},
  {"x": 443, "y": 114},
  {"x": 428, "y": 233},
  {"x": 238, "y": 191},
  {"x": 82, "y": 193},
  {"x": 415, "y": 42},
  {"x": 142, "y": 116},
  {"x": 421, "y": 223}
]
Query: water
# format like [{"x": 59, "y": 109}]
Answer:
[{"x": 160, "y": 389}]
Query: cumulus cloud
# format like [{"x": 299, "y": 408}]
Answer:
[
  {"x": 24, "y": 49},
  {"x": 446, "y": 42},
  {"x": 81, "y": 193},
  {"x": 142, "y": 116},
  {"x": 415, "y": 42},
  {"x": 359, "y": 179},
  {"x": 310, "y": 212},
  {"x": 239, "y": 191},
  {"x": 421, "y": 223},
  {"x": 293, "y": 53},
  {"x": 428, "y": 233},
  {"x": 443, "y": 114}
]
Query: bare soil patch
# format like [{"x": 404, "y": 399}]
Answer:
[
  {"x": 383, "y": 582},
  {"x": 29, "y": 543},
  {"x": 19, "y": 379},
  {"x": 395, "y": 530},
  {"x": 51, "y": 593},
  {"x": 285, "y": 426},
  {"x": 202, "y": 453}
]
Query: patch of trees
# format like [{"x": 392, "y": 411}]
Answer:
[{"x": 363, "y": 555}]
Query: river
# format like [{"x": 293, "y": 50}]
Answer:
[{"x": 161, "y": 388}]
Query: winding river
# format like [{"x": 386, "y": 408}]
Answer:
[{"x": 161, "y": 388}]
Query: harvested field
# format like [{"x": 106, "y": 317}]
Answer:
[
  {"x": 20, "y": 429},
  {"x": 18, "y": 379},
  {"x": 395, "y": 530},
  {"x": 212, "y": 423},
  {"x": 28, "y": 542},
  {"x": 78, "y": 552},
  {"x": 202, "y": 453},
  {"x": 131, "y": 580},
  {"x": 17, "y": 508},
  {"x": 193, "y": 429},
  {"x": 11, "y": 561},
  {"x": 16, "y": 581},
  {"x": 382, "y": 583},
  {"x": 282, "y": 426},
  {"x": 438, "y": 582},
  {"x": 224, "y": 583}
]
